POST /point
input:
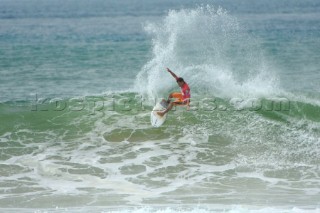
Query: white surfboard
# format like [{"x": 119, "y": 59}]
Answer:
[{"x": 157, "y": 120}]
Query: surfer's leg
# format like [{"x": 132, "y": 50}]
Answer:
[
  {"x": 167, "y": 110},
  {"x": 177, "y": 96},
  {"x": 169, "y": 98},
  {"x": 169, "y": 107}
]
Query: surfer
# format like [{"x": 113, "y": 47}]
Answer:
[{"x": 181, "y": 98}]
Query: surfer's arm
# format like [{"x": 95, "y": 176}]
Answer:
[{"x": 174, "y": 75}]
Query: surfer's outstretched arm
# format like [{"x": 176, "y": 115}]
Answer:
[{"x": 174, "y": 75}]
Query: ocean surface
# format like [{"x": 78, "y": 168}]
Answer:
[{"x": 78, "y": 80}]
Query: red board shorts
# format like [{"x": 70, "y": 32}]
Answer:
[{"x": 178, "y": 99}]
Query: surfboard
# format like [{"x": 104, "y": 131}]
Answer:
[{"x": 157, "y": 120}]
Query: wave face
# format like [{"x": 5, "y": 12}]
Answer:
[{"x": 101, "y": 151}]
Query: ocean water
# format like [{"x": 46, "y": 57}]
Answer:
[{"x": 79, "y": 79}]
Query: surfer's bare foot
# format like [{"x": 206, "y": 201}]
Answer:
[{"x": 161, "y": 113}]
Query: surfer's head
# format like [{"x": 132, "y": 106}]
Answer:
[{"x": 180, "y": 81}]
